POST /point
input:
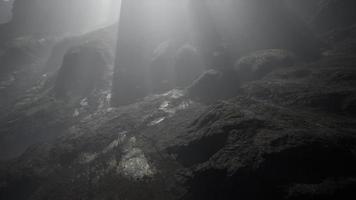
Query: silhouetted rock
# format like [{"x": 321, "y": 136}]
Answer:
[
  {"x": 213, "y": 85},
  {"x": 83, "y": 70},
  {"x": 160, "y": 72},
  {"x": 188, "y": 66},
  {"x": 104, "y": 38},
  {"x": 262, "y": 154},
  {"x": 288, "y": 134},
  {"x": 281, "y": 137},
  {"x": 174, "y": 67}
]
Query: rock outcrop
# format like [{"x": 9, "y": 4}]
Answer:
[
  {"x": 287, "y": 133},
  {"x": 286, "y": 136},
  {"x": 83, "y": 70}
]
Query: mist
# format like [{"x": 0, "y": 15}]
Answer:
[{"x": 177, "y": 99}]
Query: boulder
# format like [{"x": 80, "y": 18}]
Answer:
[
  {"x": 83, "y": 70},
  {"x": 103, "y": 38},
  {"x": 214, "y": 85},
  {"x": 188, "y": 66},
  {"x": 174, "y": 67}
]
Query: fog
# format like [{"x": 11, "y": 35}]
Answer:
[
  {"x": 5, "y": 11},
  {"x": 177, "y": 99},
  {"x": 58, "y": 17}
]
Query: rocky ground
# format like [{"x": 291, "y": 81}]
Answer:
[
  {"x": 288, "y": 135},
  {"x": 274, "y": 127}
]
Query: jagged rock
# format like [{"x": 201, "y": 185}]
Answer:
[
  {"x": 320, "y": 86},
  {"x": 257, "y": 65},
  {"x": 214, "y": 85},
  {"x": 266, "y": 142},
  {"x": 287, "y": 136},
  {"x": 259, "y": 152}
]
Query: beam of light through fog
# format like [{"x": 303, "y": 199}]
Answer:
[
  {"x": 107, "y": 10},
  {"x": 164, "y": 15}
]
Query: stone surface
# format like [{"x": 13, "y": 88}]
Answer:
[
  {"x": 287, "y": 135},
  {"x": 83, "y": 70},
  {"x": 258, "y": 64}
]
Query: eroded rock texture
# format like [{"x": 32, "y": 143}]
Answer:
[{"x": 274, "y": 126}]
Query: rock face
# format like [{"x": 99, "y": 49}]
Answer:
[
  {"x": 287, "y": 136},
  {"x": 82, "y": 71},
  {"x": 266, "y": 161},
  {"x": 288, "y": 133},
  {"x": 29, "y": 68},
  {"x": 104, "y": 39}
]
